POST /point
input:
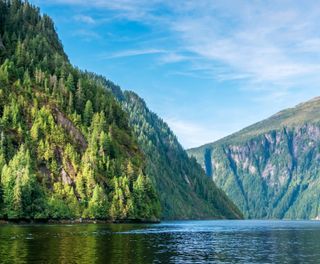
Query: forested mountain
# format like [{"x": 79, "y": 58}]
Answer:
[
  {"x": 185, "y": 191},
  {"x": 66, "y": 148},
  {"x": 271, "y": 169},
  {"x": 182, "y": 186},
  {"x": 73, "y": 145}
]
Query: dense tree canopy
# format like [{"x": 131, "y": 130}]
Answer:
[
  {"x": 66, "y": 149},
  {"x": 184, "y": 189},
  {"x": 69, "y": 149}
]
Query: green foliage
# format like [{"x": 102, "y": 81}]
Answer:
[
  {"x": 66, "y": 149},
  {"x": 22, "y": 194},
  {"x": 88, "y": 113},
  {"x": 98, "y": 206},
  {"x": 63, "y": 204},
  {"x": 69, "y": 150},
  {"x": 122, "y": 202},
  {"x": 185, "y": 191},
  {"x": 271, "y": 169},
  {"x": 145, "y": 197}
]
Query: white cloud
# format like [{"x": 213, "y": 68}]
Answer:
[
  {"x": 127, "y": 9},
  {"x": 263, "y": 48},
  {"x": 257, "y": 41},
  {"x": 173, "y": 57},
  {"x": 84, "y": 19},
  {"x": 271, "y": 48},
  {"x": 131, "y": 53},
  {"x": 260, "y": 42},
  {"x": 87, "y": 35}
]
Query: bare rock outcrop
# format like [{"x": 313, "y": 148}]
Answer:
[{"x": 74, "y": 132}]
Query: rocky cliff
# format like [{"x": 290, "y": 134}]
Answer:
[{"x": 270, "y": 169}]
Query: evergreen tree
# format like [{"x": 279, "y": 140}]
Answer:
[
  {"x": 22, "y": 196},
  {"x": 66, "y": 149},
  {"x": 88, "y": 113},
  {"x": 98, "y": 206}
]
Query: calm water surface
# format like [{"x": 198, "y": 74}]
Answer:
[{"x": 168, "y": 242}]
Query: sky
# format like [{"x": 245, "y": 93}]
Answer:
[{"x": 207, "y": 67}]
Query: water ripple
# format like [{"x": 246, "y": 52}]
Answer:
[{"x": 167, "y": 242}]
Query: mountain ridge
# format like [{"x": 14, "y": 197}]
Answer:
[
  {"x": 270, "y": 169},
  {"x": 70, "y": 146},
  {"x": 274, "y": 117},
  {"x": 185, "y": 192},
  {"x": 66, "y": 148}
]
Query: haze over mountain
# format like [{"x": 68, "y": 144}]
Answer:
[{"x": 270, "y": 169}]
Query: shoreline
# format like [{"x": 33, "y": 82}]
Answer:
[{"x": 76, "y": 221}]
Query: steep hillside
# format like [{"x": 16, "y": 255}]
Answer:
[
  {"x": 69, "y": 150},
  {"x": 185, "y": 191},
  {"x": 270, "y": 169},
  {"x": 66, "y": 148}
]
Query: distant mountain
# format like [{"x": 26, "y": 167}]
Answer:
[{"x": 272, "y": 168}]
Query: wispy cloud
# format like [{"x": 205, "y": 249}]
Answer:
[
  {"x": 261, "y": 45},
  {"x": 131, "y": 53},
  {"x": 84, "y": 19},
  {"x": 258, "y": 41},
  {"x": 174, "y": 57},
  {"x": 87, "y": 35},
  {"x": 127, "y": 9},
  {"x": 271, "y": 49}
]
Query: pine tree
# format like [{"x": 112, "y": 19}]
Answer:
[
  {"x": 98, "y": 206},
  {"x": 88, "y": 113},
  {"x": 26, "y": 80},
  {"x": 21, "y": 195},
  {"x": 70, "y": 83},
  {"x": 79, "y": 96},
  {"x": 4, "y": 72}
]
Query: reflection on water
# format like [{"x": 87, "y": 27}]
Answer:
[{"x": 168, "y": 242}]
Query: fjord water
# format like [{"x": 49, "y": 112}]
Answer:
[{"x": 167, "y": 242}]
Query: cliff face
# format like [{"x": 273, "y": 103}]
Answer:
[
  {"x": 270, "y": 173},
  {"x": 73, "y": 131}
]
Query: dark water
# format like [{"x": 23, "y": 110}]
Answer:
[{"x": 168, "y": 242}]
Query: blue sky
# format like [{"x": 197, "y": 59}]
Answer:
[{"x": 208, "y": 68}]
